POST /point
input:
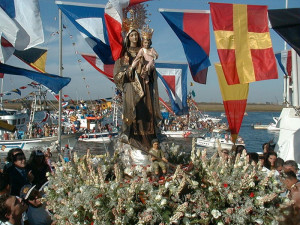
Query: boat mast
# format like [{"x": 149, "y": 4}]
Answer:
[
  {"x": 60, "y": 74},
  {"x": 286, "y": 81}
]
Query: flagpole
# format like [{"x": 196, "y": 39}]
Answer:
[
  {"x": 286, "y": 80},
  {"x": 60, "y": 74},
  {"x": 2, "y": 92}
]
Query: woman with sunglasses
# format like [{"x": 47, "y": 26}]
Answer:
[{"x": 18, "y": 173}]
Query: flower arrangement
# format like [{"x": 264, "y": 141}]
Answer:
[{"x": 96, "y": 190}]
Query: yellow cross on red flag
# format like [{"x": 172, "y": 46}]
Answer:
[
  {"x": 243, "y": 42},
  {"x": 234, "y": 101}
]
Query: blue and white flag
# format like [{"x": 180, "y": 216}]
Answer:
[
  {"x": 51, "y": 81},
  {"x": 192, "y": 28},
  {"x": 89, "y": 20},
  {"x": 21, "y": 24},
  {"x": 174, "y": 78}
]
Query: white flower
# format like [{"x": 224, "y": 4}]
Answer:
[
  {"x": 163, "y": 202},
  {"x": 167, "y": 184},
  {"x": 158, "y": 197},
  {"x": 210, "y": 189},
  {"x": 259, "y": 221},
  {"x": 215, "y": 213},
  {"x": 97, "y": 203},
  {"x": 195, "y": 183},
  {"x": 240, "y": 164},
  {"x": 252, "y": 184},
  {"x": 47, "y": 174},
  {"x": 220, "y": 223},
  {"x": 230, "y": 196},
  {"x": 75, "y": 213}
]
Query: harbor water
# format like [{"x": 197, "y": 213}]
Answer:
[{"x": 252, "y": 138}]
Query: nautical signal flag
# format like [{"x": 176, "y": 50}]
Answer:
[
  {"x": 192, "y": 28},
  {"x": 286, "y": 22},
  {"x": 21, "y": 25},
  {"x": 34, "y": 57},
  {"x": 105, "y": 69},
  {"x": 113, "y": 20},
  {"x": 174, "y": 78},
  {"x": 89, "y": 20},
  {"x": 243, "y": 42},
  {"x": 284, "y": 59},
  {"x": 51, "y": 81},
  {"x": 234, "y": 100}
]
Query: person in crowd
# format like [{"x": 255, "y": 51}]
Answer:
[
  {"x": 225, "y": 154},
  {"x": 9, "y": 158},
  {"x": 270, "y": 159},
  {"x": 279, "y": 164},
  {"x": 48, "y": 156},
  {"x": 291, "y": 165},
  {"x": 239, "y": 150},
  {"x": 293, "y": 186},
  {"x": 37, "y": 214},
  {"x": 39, "y": 167},
  {"x": 4, "y": 184},
  {"x": 6, "y": 136},
  {"x": 268, "y": 146},
  {"x": 158, "y": 158},
  {"x": 19, "y": 173},
  {"x": 253, "y": 157},
  {"x": 11, "y": 210},
  {"x": 67, "y": 153}
]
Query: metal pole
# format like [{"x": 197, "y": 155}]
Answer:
[
  {"x": 2, "y": 92},
  {"x": 295, "y": 79},
  {"x": 60, "y": 74}
]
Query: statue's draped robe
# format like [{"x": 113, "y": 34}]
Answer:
[{"x": 141, "y": 110}]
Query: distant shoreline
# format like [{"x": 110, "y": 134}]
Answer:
[
  {"x": 251, "y": 107},
  {"x": 203, "y": 106}
]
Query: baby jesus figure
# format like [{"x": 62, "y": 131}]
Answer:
[{"x": 149, "y": 55}]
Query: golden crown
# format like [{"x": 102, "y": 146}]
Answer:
[
  {"x": 134, "y": 17},
  {"x": 147, "y": 32}
]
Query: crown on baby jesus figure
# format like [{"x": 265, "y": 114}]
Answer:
[{"x": 147, "y": 32}]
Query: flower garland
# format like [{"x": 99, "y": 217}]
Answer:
[{"x": 96, "y": 190}]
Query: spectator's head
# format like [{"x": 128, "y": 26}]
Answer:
[
  {"x": 270, "y": 160},
  {"x": 253, "y": 157},
  {"x": 19, "y": 159},
  {"x": 11, "y": 209},
  {"x": 31, "y": 195},
  {"x": 225, "y": 154},
  {"x": 261, "y": 159},
  {"x": 4, "y": 184},
  {"x": 67, "y": 146},
  {"x": 37, "y": 157},
  {"x": 11, "y": 153},
  {"x": 239, "y": 149},
  {"x": 279, "y": 164},
  {"x": 268, "y": 147},
  {"x": 290, "y": 165},
  {"x": 289, "y": 179}
]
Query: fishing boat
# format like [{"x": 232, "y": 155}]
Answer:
[
  {"x": 22, "y": 137},
  {"x": 99, "y": 137},
  {"x": 183, "y": 133},
  {"x": 212, "y": 139},
  {"x": 259, "y": 126}
]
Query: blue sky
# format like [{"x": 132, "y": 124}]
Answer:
[{"x": 87, "y": 83}]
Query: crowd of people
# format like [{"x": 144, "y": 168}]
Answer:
[{"x": 21, "y": 188}]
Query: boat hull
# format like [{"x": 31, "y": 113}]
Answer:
[
  {"x": 212, "y": 143},
  {"x": 37, "y": 143},
  {"x": 101, "y": 137}
]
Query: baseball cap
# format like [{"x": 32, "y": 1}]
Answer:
[{"x": 26, "y": 190}]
